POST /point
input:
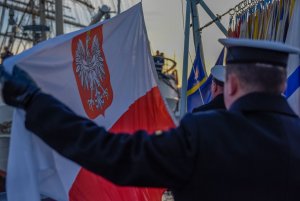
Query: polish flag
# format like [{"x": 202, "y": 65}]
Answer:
[{"x": 104, "y": 72}]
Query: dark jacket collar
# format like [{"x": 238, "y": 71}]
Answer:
[
  {"x": 219, "y": 97},
  {"x": 262, "y": 102}
]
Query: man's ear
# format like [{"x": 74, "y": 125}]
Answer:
[
  {"x": 233, "y": 84},
  {"x": 231, "y": 89},
  {"x": 213, "y": 86},
  {"x": 283, "y": 87}
]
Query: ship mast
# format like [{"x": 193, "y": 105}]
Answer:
[
  {"x": 43, "y": 19},
  {"x": 119, "y": 6},
  {"x": 59, "y": 17}
]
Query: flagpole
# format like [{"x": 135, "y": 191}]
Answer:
[
  {"x": 195, "y": 23},
  {"x": 197, "y": 39},
  {"x": 185, "y": 59},
  {"x": 197, "y": 33}
]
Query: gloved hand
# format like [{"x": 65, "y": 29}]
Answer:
[{"x": 18, "y": 88}]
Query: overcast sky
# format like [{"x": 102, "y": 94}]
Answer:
[{"x": 164, "y": 22}]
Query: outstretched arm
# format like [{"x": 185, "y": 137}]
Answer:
[{"x": 164, "y": 160}]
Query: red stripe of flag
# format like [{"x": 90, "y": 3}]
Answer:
[{"x": 149, "y": 113}]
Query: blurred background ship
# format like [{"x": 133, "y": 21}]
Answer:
[{"x": 24, "y": 23}]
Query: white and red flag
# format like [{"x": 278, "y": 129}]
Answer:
[{"x": 104, "y": 72}]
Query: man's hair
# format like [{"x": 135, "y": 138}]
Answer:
[{"x": 259, "y": 77}]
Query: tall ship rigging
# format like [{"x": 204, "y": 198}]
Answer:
[{"x": 26, "y": 22}]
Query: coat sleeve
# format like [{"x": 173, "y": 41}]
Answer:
[{"x": 164, "y": 160}]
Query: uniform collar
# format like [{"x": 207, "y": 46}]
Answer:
[{"x": 262, "y": 102}]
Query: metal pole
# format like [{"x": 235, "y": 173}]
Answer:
[
  {"x": 195, "y": 23},
  {"x": 43, "y": 19},
  {"x": 59, "y": 17},
  {"x": 35, "y": 39},
  {"x": 196, "y": 32},
  {"x": 119, "y": 6},
  {"x": 185, "y": 58},
  {"x": 213, "y": 16}
]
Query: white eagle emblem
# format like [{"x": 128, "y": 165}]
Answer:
[
  {"x": 167, "y": 196},
  {"x": 90, "y": 70}
]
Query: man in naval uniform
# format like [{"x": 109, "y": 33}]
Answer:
[
  {"x": 250, "y": 152},
  {"x": 217, "y": 89}
]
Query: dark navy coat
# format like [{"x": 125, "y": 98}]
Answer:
[
  {"x": 216, "y": 103},
  {"x": 250, "y": 153}
]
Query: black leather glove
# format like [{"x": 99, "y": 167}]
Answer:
[{"x": 18, "y": 88}]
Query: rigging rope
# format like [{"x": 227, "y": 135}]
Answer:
[{"x": 219, "y": 17}]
